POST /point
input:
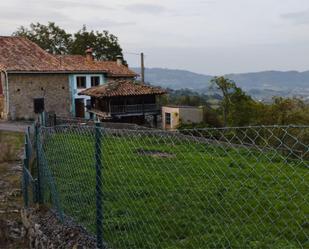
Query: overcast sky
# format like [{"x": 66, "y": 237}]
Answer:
[{"x": 205, "y": 36}]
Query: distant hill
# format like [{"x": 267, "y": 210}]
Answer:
[
  {"x": 260, "y": 85},
  {"x": 175, "y": 79},
  {"x": 274, "y": 80}
]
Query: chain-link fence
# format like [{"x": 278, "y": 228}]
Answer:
[
  {"x": 50, "y": 120},
  {"x": 29, "y": 182},
  {"x": 208, "y": 188}
]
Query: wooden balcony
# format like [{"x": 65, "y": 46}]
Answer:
[
  {"x": 130, "y": 109},
  {"x": 119, "y": 111}
]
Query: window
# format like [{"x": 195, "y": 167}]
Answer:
[
  {"x": 81, "y": 82},
  {"x": 167, "y": 118},
  {"x": 95, "y": 80},
  {"x": 38, "y": 105},
  {"x": 88, "y": 103}
]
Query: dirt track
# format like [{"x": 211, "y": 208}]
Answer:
[
  {"x": 13, "y": 126},
  {"x": 12, "y": 233}
]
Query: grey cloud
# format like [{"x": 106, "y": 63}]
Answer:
[
  {"x": 103, "y": 23},
  {"x": 22, "y": 14},
  {"x": 60, "y": 4},
  {"x": 301, "y": 17},
  {"x": 145, "y": 8}
]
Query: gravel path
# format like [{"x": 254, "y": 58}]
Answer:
[{"x": 14, "y": 126}]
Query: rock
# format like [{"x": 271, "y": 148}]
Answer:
[
  {"x": 14, "y": 211},
  {"x": 15, "y": 192},
  {"x": 55, "y": 234},
  {"x": 25, "y": 218}
]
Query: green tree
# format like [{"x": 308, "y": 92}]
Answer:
[
  {"x": 50, "y": 37},
  {"x": 104, "y": 44},
  {"x": 226, "y": 87},
  {"x": 238, "y": 108},
  {"x": 286, "y": 111},
  {"x": 56, "y": 40},
  {"x": 242, "y": 109}
]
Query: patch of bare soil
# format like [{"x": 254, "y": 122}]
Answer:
[{"x": 155, "y": 153}]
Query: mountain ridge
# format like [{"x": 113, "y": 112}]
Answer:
[{"x": 263, "y": 83}]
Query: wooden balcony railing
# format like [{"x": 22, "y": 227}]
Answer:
[{"x": 140, "y": 108}]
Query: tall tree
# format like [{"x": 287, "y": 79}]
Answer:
[
  {"x": 238, "y": 108},
  {"x": 226, "y": 87},
  {"x": 50, "y": 37},
  {"x": 242, "y": 109},
  {"x": 56, "y": 40},
  {"x": 104, "y": 44}
]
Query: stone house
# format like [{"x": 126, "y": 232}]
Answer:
[{"x": 32, "y": 80}]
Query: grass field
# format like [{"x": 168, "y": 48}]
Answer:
[{"x": 162, "y": 192}]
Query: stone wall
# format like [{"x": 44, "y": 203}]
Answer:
[
  {"x": 1, "y": 106},
  {"x": 23, "y": 88},
  {"x": 2, "y": 99}
]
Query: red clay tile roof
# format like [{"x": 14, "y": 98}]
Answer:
[
  {"x": 81, "y": 63},
  {"x": 18, "y": 54},
  {"x": 122, "y": 88}
]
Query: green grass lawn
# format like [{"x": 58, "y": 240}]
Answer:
[{"x": 194, "y": 196}]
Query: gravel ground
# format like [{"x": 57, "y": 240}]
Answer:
[
  {"x": 14, "y": 126},
  {"x": 61, "y": 235},
  {"x": 12, "y": 233}
]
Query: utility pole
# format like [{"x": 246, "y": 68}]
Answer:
[{"x": 142, "y": 68}]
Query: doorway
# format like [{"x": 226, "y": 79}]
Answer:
[{"x": 79, "y": 108}]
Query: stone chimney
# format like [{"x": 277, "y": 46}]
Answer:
[
  {"x": 119, "y": 60},
  {"x": 89, "y": 54}
]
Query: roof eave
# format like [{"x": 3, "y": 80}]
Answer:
[
  {"x": 121, "y": 75},
  {"x": 55, "y": 72},
  {"x": 99, "y": 96}
]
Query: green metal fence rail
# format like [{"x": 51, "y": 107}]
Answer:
[
  {"x": 243, "y": 187},
  {"x": 29, "y": 183}
]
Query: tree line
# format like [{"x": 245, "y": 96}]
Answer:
[{"x": 236, "y": 108}]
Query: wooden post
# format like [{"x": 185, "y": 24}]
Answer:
[{"x": 142, "y": 68}]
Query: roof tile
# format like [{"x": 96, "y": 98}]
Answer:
[
  {"x": 22, "y": 55},
  {"x": 122, "y": 88}
]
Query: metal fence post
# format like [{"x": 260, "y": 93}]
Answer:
[
  {"x": 44, "y": 118},
  {"x": 55, "y": 119},
  {"x": 25, "y": 175},
  {"x": 38, "y": 163},
  {"x": 99, "y": 191},
  {"x": 40, "y": 118}
]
